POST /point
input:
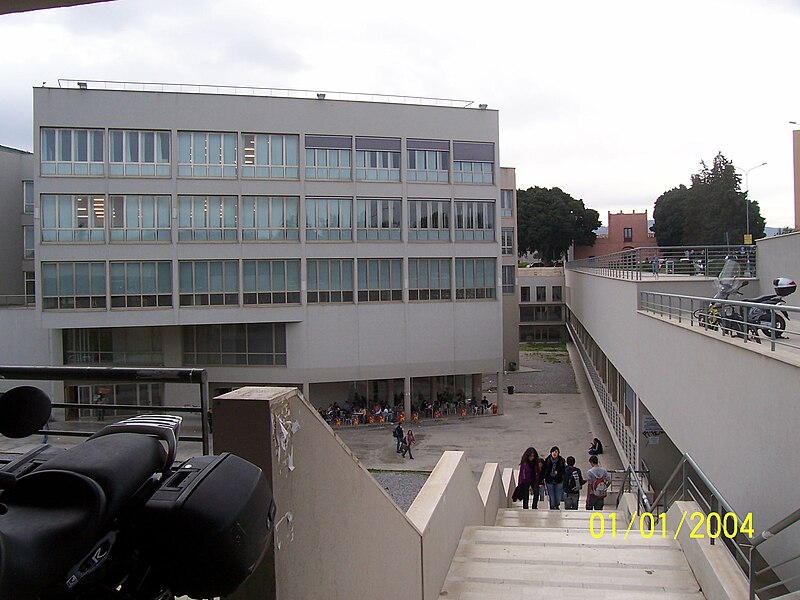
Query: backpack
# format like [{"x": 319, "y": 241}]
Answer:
[
  {"x": 572, "y": 484},
  {"x": 600, "y": 488},
  {"x": 396, "y": 432}
]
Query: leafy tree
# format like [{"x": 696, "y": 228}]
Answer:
[
  {"x": 713, "y": 210},
  {"x": 550, "y": 221}
]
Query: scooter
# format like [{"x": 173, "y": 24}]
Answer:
[
  {"x": 718, "y": 314},
  {"x": 114, "y": 518},
  {"x": 760, "y": 318}
]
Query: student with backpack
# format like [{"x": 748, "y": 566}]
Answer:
[
  {"x": 573, "y": 482},
  {"x": 398, "y": 436},
  {"x": 599, "y": 480}
]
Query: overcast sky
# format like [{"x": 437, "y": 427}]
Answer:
[{"x": 613, "y": 102}]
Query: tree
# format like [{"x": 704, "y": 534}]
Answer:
[
  {"x": 712, "y": 211},
  {"x": 550, "y": 221}
]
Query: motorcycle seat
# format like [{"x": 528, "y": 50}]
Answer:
[
  {"x": 57, "y": 513},
  {"x": 763, "y": 299}
]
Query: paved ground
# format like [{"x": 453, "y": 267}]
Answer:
[{"x": 554, "y": 408}]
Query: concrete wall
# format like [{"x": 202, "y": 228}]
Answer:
[
  {"x": 492, "y": 492},
  {"x": 778, "y": 256},
  {"x": 337, "y": 529},
  {"x": 15, "y": 166},
  {"x": 508, "y": 181},
  {"x": 732, "y": 407}
]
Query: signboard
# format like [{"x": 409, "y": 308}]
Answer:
[
  {"x": 651, "y": 427},
  {"x": 748, "y": 239}
]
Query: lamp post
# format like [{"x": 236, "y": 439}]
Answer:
[{"x": 747, "y": 194}]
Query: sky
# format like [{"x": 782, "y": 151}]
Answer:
[{"x": 613, "y": 102}]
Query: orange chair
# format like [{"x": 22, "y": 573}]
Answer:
[
  {"x": 463, "y": 412},
  {"x": 414, "y": 416},
  {"x": 354, "y": 421},
  {"x": 402, "y": 417},
  {"x": 337, "y": 421},
  {"x": 380, "y": 418},
  {"x": 437, "y": 415},
  {"x": 370, "y": 419}
]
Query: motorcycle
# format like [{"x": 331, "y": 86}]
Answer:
[
  {"x": 718, "y": 314},
  {"x": 115, "y": 518},
  {"x": 760, "y": 318}
]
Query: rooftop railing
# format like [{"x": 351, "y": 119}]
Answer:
[
  {"x": 730, "y": 318},
  {"x": 652, "y": 262},
  {"x": 232, "y": 90}
]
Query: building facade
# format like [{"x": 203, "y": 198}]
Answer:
[
  {"x": 17, "y": 238},
  {"x": 625, "y": 231},
  {"x": 350, "y": 248},
  {"x": 541, "y": 305}
]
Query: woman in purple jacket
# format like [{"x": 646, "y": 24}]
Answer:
[{"x": 529, "y": 476}]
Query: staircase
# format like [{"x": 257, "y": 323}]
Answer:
[{"x": 531, "y": 554}]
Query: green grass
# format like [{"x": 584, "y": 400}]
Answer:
[{"x": 543, "y": 347}]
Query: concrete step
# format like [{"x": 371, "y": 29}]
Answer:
[
  {"x": 565, "y": 562},
  {"x": 510, "y": 517}
]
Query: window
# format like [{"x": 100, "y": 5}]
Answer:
[
  {"x": 204, "y": 154},
  {"x": 507, "y": 238},
  {"x": 73, "y": 218},
  {"x": 235, "y": 344},
  {"x": 271, "y": 281},
  {"x": 627, "y": 234},
  {"x": 118, "y": 345},
  {"x": 508, "y": 279},
  {"x": 557, "y": 293},
  {"x": 429, "y": 279},
  {"x": 428, "y": 160},
  {"x": 73, "y": 285},
  {"x": 377, "y": 159},
  {"x": 475, "y": 278},
  {"x": 270, "y": 156},
  {"x": 473, "y": 162},
  {"x": 428, "y": 220},
  {"x": 30, "y": 287},
  {"x": 329, "y": 219},
  {"x": 138, "y": 153},
  {"x": 208, "y": 282},
  {"x": 28, "y": 242},
  {"x": 380, "y": 279},
  {"x": 329, "y": 280},
  {"x": 27, "y": 197},
  {"x": 207, "y": 218},
  {"x": 506, "y": 203},
  {"x": 328, "y": 157},
  {"x": 140, "y": 219},
  {"x": 378, "y": 219},
  {"x": 267, "y": 218},
  {"x": 540, "y": 293},
  {"x": 474, "y": 220},
  {"x": 72, "y": 152},
  {"x": 137, "y": 284},
  {"x": 525, "y": 293}
]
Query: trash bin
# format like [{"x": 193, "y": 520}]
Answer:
[
  {"x": 511, "y": 390},
  {"x": 512, "y": 366}
]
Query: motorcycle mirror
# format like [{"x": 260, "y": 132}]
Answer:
[
  {"x": 745, "y": 282},
  {"x": 24, "y": 410}
]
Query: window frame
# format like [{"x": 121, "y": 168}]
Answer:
[
  {"x": 56, "y": 208},
  {"x": 189, "y": 206},
  {"x": 339, "y": 284},
  {"x": 417, "y": 276},
  {"x": 133, "y": 292},
  {"x": 188, "y": 167},
  {"x": 380, "y": 279},
  {"x": 344, "y": 212},
  {"x": 54, "y": 163},
  {"x": 259, "y": 160},
  {"x": 259, "y": 285}
]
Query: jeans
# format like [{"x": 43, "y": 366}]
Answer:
[
  {"x": 571, "y": 501},
  {"x": 594, "y": 503},
  {"x": 555, "y": 491}
]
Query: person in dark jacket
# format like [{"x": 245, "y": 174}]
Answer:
[
  {"x": 596, "y": 448},
  {"x": 554, "y": 467},
  {"x": 573, "y": 482},
  {"x": 528, "y": 469}
]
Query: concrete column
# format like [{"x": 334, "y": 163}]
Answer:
[
  {"x": 407, "y": 398},
  {"x": 500, "y": 392},
  {"x": 306, "y": 391}
]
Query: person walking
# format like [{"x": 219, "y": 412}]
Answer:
[
  {"x": 573, "y": 482},
  {"x": 554, "y": 466},
  {"x": 408, "y": 441},
  {"x": 599, "y": 480},
  {"x": 528, "y": 469},
  {"x": 398, "y": 437}
]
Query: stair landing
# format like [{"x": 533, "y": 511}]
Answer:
[{"x": 532, "y": 554}]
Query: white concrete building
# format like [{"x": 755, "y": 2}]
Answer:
[{"x": 350, "y": 248}]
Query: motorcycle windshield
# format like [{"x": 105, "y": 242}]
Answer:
[{"x": 727, "y": 281}]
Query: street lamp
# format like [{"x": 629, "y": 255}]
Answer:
[{"x": 747, "y": 192}]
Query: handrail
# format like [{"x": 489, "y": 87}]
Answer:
[
  {"x": 765, "y": 535},
  {"x": 641, "y": 496}
]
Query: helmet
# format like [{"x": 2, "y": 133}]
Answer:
[{"x": 784, "y": 286}]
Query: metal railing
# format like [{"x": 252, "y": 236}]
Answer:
[
  {"x": 778, "y": 584},
  {"x": 121, "y": 375},
  {"x": 730, "y": 317},
  {"x": 18, "y": 300},
  {"x": 638, "y": 482},
  {"x": 234, "y": 90},
  {"x": 688, "y": 482},
  {"x": 652, "y": 262}
]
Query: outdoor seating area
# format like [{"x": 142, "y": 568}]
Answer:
[{"x": 358, "y": 414}]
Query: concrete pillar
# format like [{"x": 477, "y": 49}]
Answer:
[
  {"x": 307, "y": 391},
  {"x": 407, "y": 398},
  {"x": 500, "y": 392}
]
